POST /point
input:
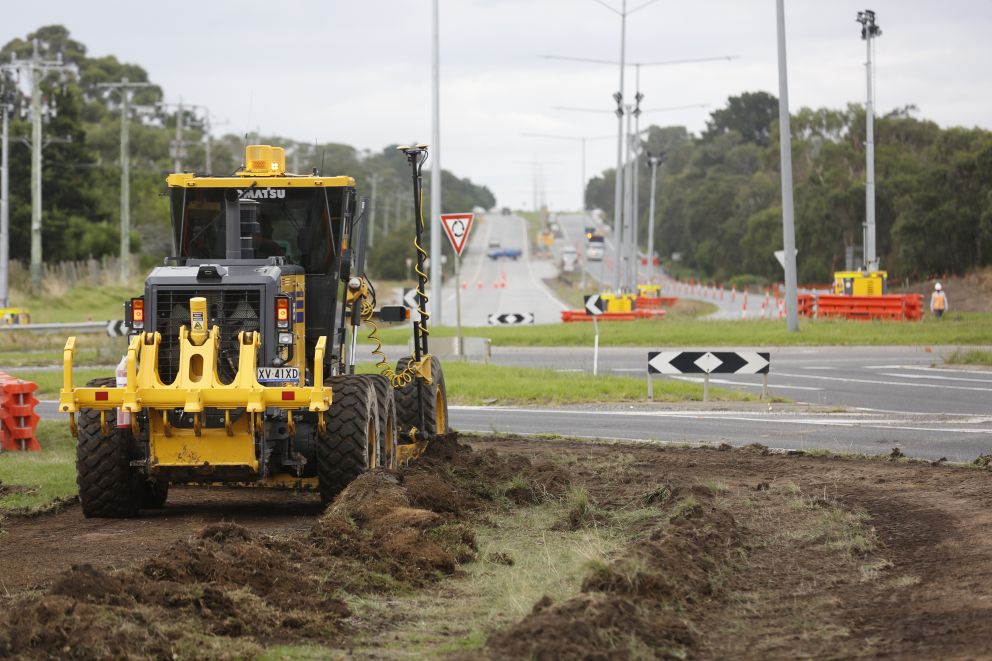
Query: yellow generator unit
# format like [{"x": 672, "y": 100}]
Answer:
[
  {"x": 861, "y": 283},
  {"x": 240, "y": 366}
]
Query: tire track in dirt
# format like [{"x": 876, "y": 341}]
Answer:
[{"x": 36, "y": 549}]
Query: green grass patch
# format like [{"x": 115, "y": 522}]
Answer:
[
  {"x": 32, "y": 481},
  {"x": 84, "y": 303},
  {"x": 961, "y": 328},
  {"x": 970, "y": 357},
  {"x": 50, "y": 381},
  {"x": 474, "y": 384}
]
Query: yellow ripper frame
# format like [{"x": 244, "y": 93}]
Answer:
[{"x": 196, "y": 387}]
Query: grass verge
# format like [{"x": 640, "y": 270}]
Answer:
[
  {"x": 33, "y": 481},
  {"x": 474, "y": 384},
  {"x": 960, "y": 328},
  {"x": 970, "y": 357},
  {"x": 83, "y": 303}
]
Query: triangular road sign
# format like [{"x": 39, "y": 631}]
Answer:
[{"x": 457, "y": 227}]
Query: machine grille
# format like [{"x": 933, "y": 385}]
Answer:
[{"x": 233, "y": 310}]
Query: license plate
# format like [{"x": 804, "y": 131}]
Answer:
[{"x": 277, "y": 374}]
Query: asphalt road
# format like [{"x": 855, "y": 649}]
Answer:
[{"x": 502, "y": 286}]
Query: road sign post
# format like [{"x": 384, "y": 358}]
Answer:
[
  {"x": 595, "y": 305},
  {"x": 457, "y": 226}
]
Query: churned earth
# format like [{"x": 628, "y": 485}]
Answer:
[{"x": 546, "y": 548}]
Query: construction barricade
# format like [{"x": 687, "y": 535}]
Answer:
[
  {"x": 581, "y": 315},
  {"x": 905, "y": 307},
  {"x": 18, "y": 419}
]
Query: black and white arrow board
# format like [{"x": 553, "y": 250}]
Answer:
[
  {"x": 595, "y": 305},
  {"x": 116, "y": 328},
  {"x": 512, "y": 319},
  {"x": 708, "y": 362}
]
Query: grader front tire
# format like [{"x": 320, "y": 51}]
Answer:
[
  {"x": 348, "y": 448},
  {"x": 107, "y": 483}
]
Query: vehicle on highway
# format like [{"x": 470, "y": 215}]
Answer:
[
  {"x": 494, "y": 243},
  {"x": 238, "y": 369},
  {"x": 569, "y": 258},
  {"x": 506, "y": 211},
  {"x": 590, "y": 232},
  {"x": 508, "y": 253},
  {"x": 596, "y": 249}
]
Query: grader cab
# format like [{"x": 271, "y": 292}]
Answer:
[{"x": 240, "y": 366}]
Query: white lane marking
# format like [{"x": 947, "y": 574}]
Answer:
[
  {"x": 926, "y": 368},
  {"x": 643, "y": 370},
  {"x": 883, "y": 383},
  {"x": 812, "y": 422},
  {"x": 816, "y": 367},
  {"x": 936, "y": 378},
  {"x": 696, "y": 379}
]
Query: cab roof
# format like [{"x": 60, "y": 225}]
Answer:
[{"x": 265, "y": 167}]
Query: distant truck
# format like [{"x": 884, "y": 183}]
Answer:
[
  {"x": 508, "y": 253},
  {"x": 596, "y": 248}
]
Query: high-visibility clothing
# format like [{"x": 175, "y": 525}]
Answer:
[{"x": 938, "y": 301}]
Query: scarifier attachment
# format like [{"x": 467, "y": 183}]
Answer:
[{"x": 196, "y": 389}]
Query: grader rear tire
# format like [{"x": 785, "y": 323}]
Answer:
[
  {"x": 388, "y": 431},
  {"x": 435, "y": 401},
  {"x": 348, "y": 448},
  {"x": 107, "y": 483}
]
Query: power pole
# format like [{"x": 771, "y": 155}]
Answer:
[
  {"x": 654, "y": 160},
  {"x": 38, "y": 69},
  {"x": 372, "y": 205},
  {"x": 6, "y": 96},
  {"x": 618, "y": 188},
  {"x": 125, "y": 87},
  {"x": 869, "y": 31},
  {"x": 785, "y": 147},
  {"x": 435, "y": 310},
  {"x": 177, "y": 162}
]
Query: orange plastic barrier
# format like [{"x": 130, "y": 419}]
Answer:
[
  {"x": 655, "y": 302},
  {"x": 569, "y": 316},
  {"x": 905, "y": 307},
  {"x": 806, "y": 305},
  {"x": 18, "y": 420}
]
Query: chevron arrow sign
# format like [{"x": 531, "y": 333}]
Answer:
[
  {"x": 594, "y": 305},
  {"x": 511, "y": 319},
  {"x": 708, "y": 362}
]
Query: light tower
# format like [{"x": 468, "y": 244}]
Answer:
[{"x": 869, "y": 31}]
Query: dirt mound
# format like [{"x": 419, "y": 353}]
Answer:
[
  {"x": 639, "y": 601},
  {"x": 451, "y": 477},
  {"x": 221, "y": 591}
]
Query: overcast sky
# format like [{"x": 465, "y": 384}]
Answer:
[{"x": 360, "y": 72}]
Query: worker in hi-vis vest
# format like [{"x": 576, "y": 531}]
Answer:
[{"x": 938, "y": 301}]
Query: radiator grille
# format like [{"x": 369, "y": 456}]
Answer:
[{"x": 233, "y": 310}]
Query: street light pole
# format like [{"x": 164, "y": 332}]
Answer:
[
  {"x": 582, "y": 140},
  {"x": 869, "y": 31},
  {"x": 435, "y": 235},
  {"x": 655, "y": 160},
  {"x": 4, "y": 203},
  {"x": 785, "y": 147}
]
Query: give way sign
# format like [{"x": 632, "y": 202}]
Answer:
[{"x": 457, "y": 226}]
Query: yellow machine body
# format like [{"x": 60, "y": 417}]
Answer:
[{"x": 861, "y": 283}]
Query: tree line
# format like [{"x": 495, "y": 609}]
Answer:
[
  {"x": 719, "y": 193},
  {"x": 81, "y": 160}
]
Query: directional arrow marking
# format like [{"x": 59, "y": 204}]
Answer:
[
  {"x": 708, "y": 362},
  {"x": 511, "y": 319},
  {"x": 594, "y": 304}
]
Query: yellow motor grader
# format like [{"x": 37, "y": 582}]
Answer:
[{"x": 240, "y": 365}]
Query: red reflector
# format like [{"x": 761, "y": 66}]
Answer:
[
  {"x": 288, "y": 395},
  {"x": 103, "y": 395}
]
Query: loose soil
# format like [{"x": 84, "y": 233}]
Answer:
[{"x": 725, "y": 553}]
